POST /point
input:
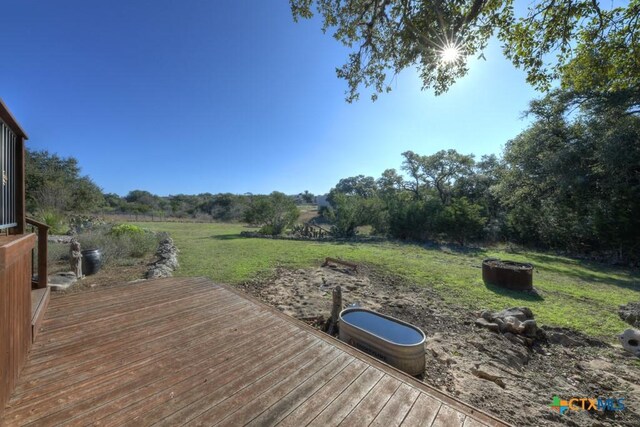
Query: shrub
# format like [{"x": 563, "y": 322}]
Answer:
[
  {"x": 80, "y": 223},
  {"x": 267, "y": 229},
  {"x": 344, "y": 215},
  {"x": 54, "y": 219},
  {"x": 323, "y": 210},
  {"x": 462, "y": 220},
  {"x": 126, "y": 229},
  {"x": 275, "y": 212},
  {"x": 57, "y": 252},
  {"x": 119, "y": 246}
]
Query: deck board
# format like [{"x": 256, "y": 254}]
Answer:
[{"x": 185, "y": 351}]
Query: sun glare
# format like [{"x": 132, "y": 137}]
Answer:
[{"x": 450, "y": 54}]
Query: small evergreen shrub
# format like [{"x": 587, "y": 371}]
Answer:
[
  {"x": 126, "y": 230},
  {"x": 55, "y": 220}
]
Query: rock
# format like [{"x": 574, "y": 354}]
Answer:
[
  {"x": 530, "y": 328},
  {"x": 59, "y": 239},
  {"x": 561, "y": 339},
  {"x": 630, "y": 313},
  {"x": 513, "y": 325},
  {"x": 499, "y": 322},
  {"x": 61, "y": 281},
  {"x": 487, "y": 315},
  {"x": 167, "y": 260},
  {"x": 514, "y": 338},
  {"x": 520, "y": 313},
  {"x": 630, "y": 340},
  {"x": 484, "y": 374},
  {"x": 516, "y": 321},
  {"x": 483, "y": 323}
]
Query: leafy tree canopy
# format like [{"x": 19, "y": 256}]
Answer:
[
  {"x": 585, "y": 43},
  {"x": 54, "y": 184},
  {"x": 274, "y": 212}
]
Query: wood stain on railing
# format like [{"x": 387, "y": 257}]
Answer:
[{"x": 15, "y": 309}]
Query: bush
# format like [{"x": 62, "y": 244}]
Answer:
[
  {"x": 275, "y": 213},
  {"x": 81, "y": 223},
  {"x": 57, "y": 252},
  {"x": 462, "y": 221},
  {"x": 344, "y": 215},
  {"x": 268, "y": 230},
  {"x": 126, "y": 229},
  {"x": 54, "y": 219},
  {"x": 127, "y": 241},
  {"x": 414, "y": 219}
]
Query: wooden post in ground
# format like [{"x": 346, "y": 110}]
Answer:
[{"x": 336, "y": 308}]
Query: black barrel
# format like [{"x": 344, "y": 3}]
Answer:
[{"x": 91, "y": 261}]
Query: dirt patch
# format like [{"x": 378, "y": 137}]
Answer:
[
  {"x": 483, "y": 368},
  {"x": 111, "y": 275}
]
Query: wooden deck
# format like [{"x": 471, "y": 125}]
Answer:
[{"x": 190, "y": 352}]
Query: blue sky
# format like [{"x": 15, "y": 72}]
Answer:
[{"x": 200, "y": 96}]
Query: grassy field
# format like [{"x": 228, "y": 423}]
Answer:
[{"x": 575, "y": 293}]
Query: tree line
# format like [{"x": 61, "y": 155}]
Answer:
[
  {"x": 56, "y": 189},
  {"x": 570, "y": 181}
]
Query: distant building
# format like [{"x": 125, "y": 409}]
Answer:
[{"x": 322, "y": 201}]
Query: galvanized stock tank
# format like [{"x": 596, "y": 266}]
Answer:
[{"x": 391, "y": 340}]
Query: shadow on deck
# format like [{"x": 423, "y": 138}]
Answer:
[{"x": 186, "y": 351}]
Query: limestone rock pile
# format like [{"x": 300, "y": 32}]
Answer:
[
  {"x": 166, "y": 262},
  {"x": 630, "y": 313},
  {"x": 517, "y": 324}
]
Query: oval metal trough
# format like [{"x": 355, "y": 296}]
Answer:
[{"x": 391, "y": 340}]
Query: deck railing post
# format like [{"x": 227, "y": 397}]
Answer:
[{"x": 43, "y": 235}]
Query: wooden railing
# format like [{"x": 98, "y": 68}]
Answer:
[
  {"x": 15, "y": 308},
  {"x": 43, "y": 234}
]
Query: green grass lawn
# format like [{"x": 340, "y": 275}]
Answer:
[{"x": 575, "y": 294}]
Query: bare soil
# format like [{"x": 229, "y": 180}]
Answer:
[
  {"x": 483, "y": 368},
  {"x": 108, "y": 275}
]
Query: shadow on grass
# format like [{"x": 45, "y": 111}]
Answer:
[
  {"x": 532, "y": 296},
  {"x": 225, "y": 237},
  {"x": 570, "y": 268},
  {"x": 458, "y": 250}
]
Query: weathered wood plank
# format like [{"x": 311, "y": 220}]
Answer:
[
  {"x": 243, "y": 406},
  {"x": 129, "y": 334},
  {"x": 288, "y": 403},
  {"x": 307, "y": 411},
  {"x": 134, "y": 319},
  {"x": 202, "y": 354},
  {"x": 369, "y": 407},
  {"x": 127, "y": 348},
  {"x": 102, "y": 389},
  {"x": 348, "y": 399},
  {"x": 397, "y": 407},
  {"x": 423, "y": 412},
  {"x": 201, "y": 339},
  {"x": 159, "y": 397},
  {"x": 202, "y": 396},
  {"x": 220, "y": 359},
  {"x": 448, "y": 417},
  {"x": 126, "y": 307},
  {"x": 470, "y": 422},
  {"x": 79, "y": 300}
]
